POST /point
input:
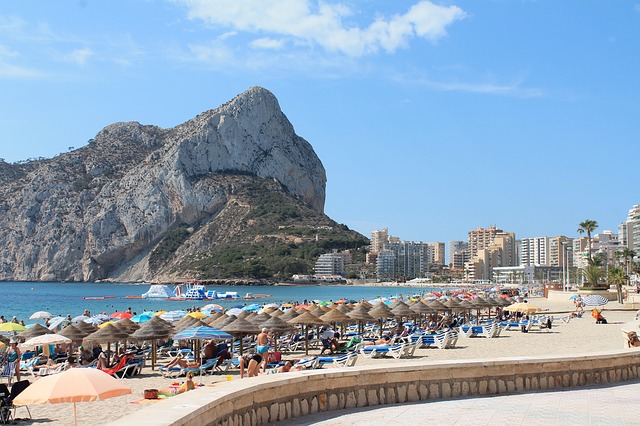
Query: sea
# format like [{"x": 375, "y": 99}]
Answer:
[{"x": 22, "y": 299}]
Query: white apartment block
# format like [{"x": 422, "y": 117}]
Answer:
[
  {"x": 534, "y": 251},
  {"x": 629, "y": 231}
]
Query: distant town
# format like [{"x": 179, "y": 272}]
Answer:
[{"x": 490, "y": 255}]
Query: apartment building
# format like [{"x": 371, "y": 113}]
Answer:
[
  {"x": 493, "y": 248},
  {"x": 629, "y": 230},
  {"x": 403, "y": 259},
  {"x": 533, "y": 251},
  {"x": 458, "y": 254},
  {"x": 560, "y": 251},
  {"x": 330, "y": 264},
  {"x": 437, "y": 253},
  {"x": 481, "y": 238}
]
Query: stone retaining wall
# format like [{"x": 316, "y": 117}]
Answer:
[{"x": 268, "y": 399}]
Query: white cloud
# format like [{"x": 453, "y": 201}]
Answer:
[
  {"x": 267, "y": 43},
  {"x": 79, "y": 56},
  {"x": 316, "y": 22},
  {"x": 514, "y": 89},
  {"x": 9, "y": 71}
]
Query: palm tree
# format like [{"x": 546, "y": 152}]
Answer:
[
  {"x": 616, "y": 276},
  {"x": 588, "y": 226},
  {"x": 628, "y": 255},
  {"x": 592, "y": 274}
]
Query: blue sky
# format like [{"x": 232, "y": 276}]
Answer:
[{"x": 431, "y": 118}]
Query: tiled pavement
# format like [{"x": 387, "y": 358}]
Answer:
[{"x": 611, "y": 405}]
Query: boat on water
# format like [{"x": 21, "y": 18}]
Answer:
[
  {"x": 191, "y": 290},
  {"x": 158, "y": 291}
]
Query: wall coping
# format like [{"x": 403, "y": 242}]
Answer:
[{"x": 212, "y": 404}]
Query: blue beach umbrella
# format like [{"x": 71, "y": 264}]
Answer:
[
  {"x": 143, "y": 317},
  {"x": 202, "y": 333},
  {"x": 575, "y": 296},
  {"x": 252, "y": 307}
]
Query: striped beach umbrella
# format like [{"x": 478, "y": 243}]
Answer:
[
  {"x": 594, "y": 300},
  {"x": 202, "y": 333}
]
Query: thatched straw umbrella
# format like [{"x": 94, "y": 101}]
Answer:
[
  {"x": 276, "y": 313},
  {"x": 154, "y": 329},
  {"x": 33, "y": 331},
  {"x": 360, "y": 314},
  {"x": 381, "y": 312},
  {"x": 240, "y": 327},
  {"x": 85, "y": 326},
  {"x": 185, "y": 323},
  {"x": 306, "y": 319},
  {"x": 335, "y": 316},
  {"x": 345, "y": 308},
  {"x": 107, "y": 334},
  {"x": 73, "y": 333},
  {"x": 290, "y": 314},
  {"x": 260, "y": 318},
  {"x": 214, "y": 316},
  {"x": 244, "y": 314},
  {"x": 277, "y": 327},
  {"x": 127, "y": 325}
]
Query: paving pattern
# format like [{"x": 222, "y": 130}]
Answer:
[{"x": 600, "y": 405}]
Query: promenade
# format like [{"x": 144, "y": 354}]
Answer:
[{"x": 600, "y": 405}]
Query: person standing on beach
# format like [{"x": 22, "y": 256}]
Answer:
[{"x": 263, "y": 347}]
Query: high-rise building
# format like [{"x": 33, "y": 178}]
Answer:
[
  {"x": 629, "y": 231},
  {"x": 329, "y": 264},
  {"x": 560, "y": 250},
  {"x": 534, "y": 251},
  {"x": 378, "y": 239},
  {"x": 403, "y": 260},
  {"x": 493, "y": 248},
  {"x": 437, "y": 253},
  {"x": 458, "y": 254},
  {"x": 481, "y": 238}
]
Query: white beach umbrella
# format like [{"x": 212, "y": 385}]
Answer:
[
  {"x": 56, "y": 322},
  {"x": 45, "y": 339},
  {"x": 40, "y": 314},
  {"x": 173, "y": 315}
]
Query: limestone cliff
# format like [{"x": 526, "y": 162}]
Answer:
[{"x": 99, "y": 212}]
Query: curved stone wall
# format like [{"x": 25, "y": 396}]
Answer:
[{"x": 272, "y": 398}]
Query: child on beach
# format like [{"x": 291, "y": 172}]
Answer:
[{"x": 175, "y": 390}]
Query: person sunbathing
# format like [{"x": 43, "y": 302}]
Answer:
[
  {"x": 384, "y": 340},
  {"x": 182, "y": 363},
  {"x": 288, "y": 366},
  {"x": 632, "y": 339}
]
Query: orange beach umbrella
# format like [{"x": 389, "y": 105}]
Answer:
[{"x": 73, "y": 385}]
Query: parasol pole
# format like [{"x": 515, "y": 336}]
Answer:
[{"x": 75, "y": 415}]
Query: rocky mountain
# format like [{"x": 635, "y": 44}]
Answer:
[{"x": 144, "y": 203}]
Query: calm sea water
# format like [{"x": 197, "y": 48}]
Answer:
[{"x": 24, "y": 298}]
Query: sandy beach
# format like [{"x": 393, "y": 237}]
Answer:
[{"x": 578, "y": 336}]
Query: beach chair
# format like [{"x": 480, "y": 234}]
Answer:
[
  {"x": 410, "y": 349},
  {"x": 452, "y": 339},
  {"x": 308, "y": 363},
  {"x": 120, "y": 368},
  {"x": 46, "y": 371},
  {"x": 346, "y": 360},
  {"x": 16, "y": 390}
]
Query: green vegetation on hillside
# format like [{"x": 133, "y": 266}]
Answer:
[
  {"x": 171, "y": 241},
  {"x": 275, "y": 259}
]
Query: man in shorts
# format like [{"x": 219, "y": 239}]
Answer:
[{"x": 263, "y": 347}]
